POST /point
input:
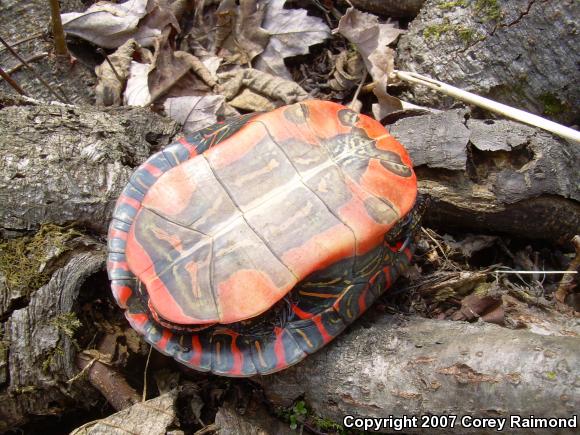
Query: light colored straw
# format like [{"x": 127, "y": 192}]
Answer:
[{"x": 494, "y": 106}]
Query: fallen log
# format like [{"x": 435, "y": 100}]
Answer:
[
  {"x": 494, "y": 175},
  {"x": 519, "y": 52},
  {"x": 37, "y": 350},
  {"x": 397, "y": 366},
  {"x": 63, "y": 164}
]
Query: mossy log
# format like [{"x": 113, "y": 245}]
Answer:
[
  {"x": 37, "y": 351},
  {"x": 520, "y": 52}
]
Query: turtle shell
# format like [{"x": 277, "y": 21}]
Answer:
[{"x": 252, "y": 243}]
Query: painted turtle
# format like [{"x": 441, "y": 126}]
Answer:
[{"x": 246, "y": 246}]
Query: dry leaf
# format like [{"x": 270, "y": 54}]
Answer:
[
  {"x": 246, "y": 37},
  {"x": 348, "y": 71},
  {"x": 159, "y": 16},
  {"x": 110, "y": 25},
  {"x": 252, "y": 102},
  {"x": 152, "y": 417},
  {"x": 291, "y": 31},
  {"x": 137, "y": 90},
  {"x": 371, "y": 39},
  {"x": 172, "y": 72},
  {"x": 109, "y": 88},
  {"x": 232, "y": 83},
  {"x": 194, "y": 112}
]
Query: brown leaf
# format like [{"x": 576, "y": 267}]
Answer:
[
  {"x": 371, "y": 39},
  {"x": 246, "y": 39},
  {"x": 153, "y": 417},
  {"x": 471, "y": 243},
  {"x": 172, "y": 73},
  {"x": 252, "y": 102},
  {"x": 110, "y": 25},
  {"x": 292, "y": 33},
  {"x": 194, "y": 112},
  {"x": 233, "y": 82},
  {"x": 111, "y": 82},
  {"x": 475, "y": 306},
  {"x": 348, "y": 71}
]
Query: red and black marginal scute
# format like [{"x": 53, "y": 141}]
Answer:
[{"x": 314, "y": 312}]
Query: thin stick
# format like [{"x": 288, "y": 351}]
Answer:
[
  {"x": 22, "y": 41},
  {"x": 60, "y": 47},
  {"x": 33, "y": 58},
  {"x": 12, "y": 82},
  {"x": 145, "y": 375},
  {"x": 539, "y": 272},
  {"x": 102, "y": 52},
  {"x": 360, "y": 85},
  {"x": 494, "y": 106},
  {"x": 27, "y": 65}
]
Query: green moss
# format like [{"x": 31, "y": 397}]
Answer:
[
  {"x": 326, "y": 425},
  {"x": 453, "y": 4},
  {"x": 50, "y": 359},
  {"x": 26, "y": 389},
  {"x": 435, "y": 31},
  {"x": 68, "y": 323},
  {"x": 552, "y": 105},
  {"x": 551, "y": 376},
  {"x": 482, "y": 289},
  {"x": 444, "y": 294},
  {"x": 22, "y": 259},
  {"x": 489, "y": 9}
]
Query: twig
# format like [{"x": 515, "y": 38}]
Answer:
[
  {"x": 30, "y": 59},
  {"x": 145, "y": 375},
  {"x": 60, "y": 47},
  {"x": 360, "y": 85},
  {"x": 22, "y": 41},
  {"x": 104, "y": 54},
  {"x": 436, "y": 243},
  {"x": 537, "y": 272},
  {"x": 494, "y": 106},
  {"x": 104, "y": 378},
  {"x": 12, "y": 82},
  {"x": 27, "y": 65}
]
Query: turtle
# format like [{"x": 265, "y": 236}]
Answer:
[{"x": 246, "y": 246}]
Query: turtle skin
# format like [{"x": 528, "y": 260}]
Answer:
[{"x": 329, "y": 295}]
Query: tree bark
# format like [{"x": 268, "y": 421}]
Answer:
[
  {"x": 63, "y": 164},
  {"x": 37, "y": 353},
  {"x": 520, "y": 52},
  {"x": 26, "y": 26},
  {"x": 409, "y": 366},
  {"x": 494, "y": 175}
]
